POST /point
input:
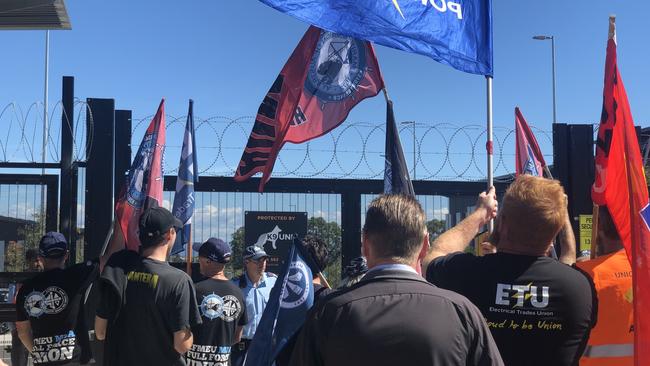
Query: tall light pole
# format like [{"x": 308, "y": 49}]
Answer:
[
  {"x": 45, "y": 125},
  {"x": 415, "y": 157},
  {"x": 544, "y": 38}
]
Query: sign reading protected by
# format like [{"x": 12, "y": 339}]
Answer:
[{"x": 274, "y": 231}]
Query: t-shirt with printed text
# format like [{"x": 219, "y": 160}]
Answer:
[
  {"x": 145, "y": 302},
  {"x": 52, "y": 303},
  {"x": 540, "y": 311},
  {"x": 222, "y": 311}
]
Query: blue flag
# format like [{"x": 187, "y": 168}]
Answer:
[
  {"x": 396, "y": 175},
  {"x": 457, "y": 33},
  {"x": 290, "y": 300},
  {"x": 183, "y": 207}
]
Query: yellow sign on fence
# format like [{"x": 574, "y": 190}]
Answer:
[{"x": 585, "y": 232}]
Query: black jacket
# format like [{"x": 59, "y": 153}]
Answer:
[{"x": 392, "y": 318}]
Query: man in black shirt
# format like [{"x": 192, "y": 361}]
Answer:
[
  {"x": 222, "y": 308},
  {"x": 539, "y": 310},
  {"x": 49, "y": 321},
  {"x": 393, "y": 316},
  {"x": 148, "y": 307}
]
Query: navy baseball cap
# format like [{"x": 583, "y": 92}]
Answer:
[
  {"x": 52, "y": 245},
  {"x": 154, "y": 222},
  {"x": 216, "y": 250},
  {"x": 254, "y": 252}
]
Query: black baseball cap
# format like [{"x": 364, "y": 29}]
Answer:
[
  {"x": 154, "y": 222},
  {"x": 52, "y": 245},
  {"x": 216, "y": 250}
]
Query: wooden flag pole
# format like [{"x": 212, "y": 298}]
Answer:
[
  {"x": 188, "y": 254},
  {"x": 324, "y": 280},
  {"x": 594, "y": 231}
]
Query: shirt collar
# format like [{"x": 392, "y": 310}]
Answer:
[{"x": 393, "y": 267}]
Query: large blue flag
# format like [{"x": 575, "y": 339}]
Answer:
[
  {"x": 183, "y": 207},
  {"x": 290, "y": 300},
  {"x": 396, "y": 175},
  {"x": 457, "y": 33}
]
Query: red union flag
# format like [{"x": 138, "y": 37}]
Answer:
[
  {"x": 144, "y": 185},
  {"x": 325, "y": 77},
  {"x": 620, "y": 185},
  {"x": 528, "y": 157}
]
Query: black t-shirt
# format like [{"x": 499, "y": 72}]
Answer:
[
  {"x": 222, "y": 310},
  {"x": 51, "y": 302},
  {"x": 539, "y": 310},
  {"x": 145, "y": 301}
]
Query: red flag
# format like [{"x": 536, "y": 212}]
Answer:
[
  {"x": 144, "y": 185},
  {"x": 325, "y": 77},
  {"x": 620, "y": 185},
  {"x": 528, "y": 157}
]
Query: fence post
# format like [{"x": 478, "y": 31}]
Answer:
[
  {"x": 350, "y": 227},
  {"x": 122, "y": 148},
  {"x": 99, "y": 174},
  {"x": 68, "y": 194}
]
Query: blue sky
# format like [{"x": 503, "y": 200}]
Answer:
[{"x": 226, "y": 54}]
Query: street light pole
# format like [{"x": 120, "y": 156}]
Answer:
[
  {"x": 552, "y": 38},
  {"x": 553, "y": 61},
  {"x": 45, "y": 124}
]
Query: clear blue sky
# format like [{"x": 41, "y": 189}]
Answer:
[{"x": 226, "y": 54}]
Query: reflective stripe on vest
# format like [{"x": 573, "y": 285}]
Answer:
[{"x": 610, "y": 350}]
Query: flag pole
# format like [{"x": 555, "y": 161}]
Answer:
[
  {"x": 188, "y": 253},
  {"x": 489, "y": 144}
]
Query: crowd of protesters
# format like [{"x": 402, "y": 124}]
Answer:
[{"x": 405, "y": 302}]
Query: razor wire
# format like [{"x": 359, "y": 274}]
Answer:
[
  {"x": 354, "y": 150},
  {"x": 21, "y": 135},
  {"x": 433, "y": 150}
]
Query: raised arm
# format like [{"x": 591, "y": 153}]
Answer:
[
  {"x": 458, "y": 237},
  {"x": 567, "y": 243}
]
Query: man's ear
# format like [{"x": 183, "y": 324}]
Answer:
[
  {"x": 365, "y": 249},
  {"x": 425, "y": 246}
]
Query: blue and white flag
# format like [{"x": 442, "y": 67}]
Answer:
[
  {"x": 183, "y": 207},
  {"x": 457, "y": 33},
  {"x": 396, "y": 175},
  {"x": 285, "y": 313}
]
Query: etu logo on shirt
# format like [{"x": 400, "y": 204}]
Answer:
[{"x": 520, "y": 295}]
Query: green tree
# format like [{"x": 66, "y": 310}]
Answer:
[
  {"x": 238, "y": 244},
  {"x": 436, "y": 227},
  {"x": 29, "y": 236}
]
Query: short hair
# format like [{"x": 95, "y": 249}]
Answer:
[
  {"x": 606, "y": 224},
  {"x": 534, "y": 209},
  {"x": 396, "y": 226},
  {"x": 317, "y": 249}
]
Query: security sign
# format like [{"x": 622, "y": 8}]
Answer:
[{"x": 274, "y": 231}]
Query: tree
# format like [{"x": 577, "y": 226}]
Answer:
[
  {"x": 238, "y": 244},
  {"x": 30, "y": 235},
  {"x": 436, "y": 227}
]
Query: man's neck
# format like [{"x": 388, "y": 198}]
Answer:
[
  {"x": 158, "y": 253},
  {"x": 219, "y": 276},
  {"x": 382, "y": 261},
  {"x": 507, "y": 247},
  {"x": 255, "y": 278}
]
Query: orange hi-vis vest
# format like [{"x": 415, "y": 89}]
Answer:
[{"x": 612, "y": 340}]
